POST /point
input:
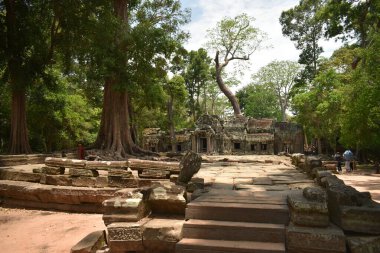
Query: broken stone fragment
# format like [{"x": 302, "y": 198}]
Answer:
[
  {"x": 167, "y": 198},
  {"x": 189, "y": 165},
  {"x": 91, "y": 243},
  {"x": 315, "y": 194}
]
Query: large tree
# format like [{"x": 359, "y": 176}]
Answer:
[
  {"x": 302, "y": 26},
  {"x": 280, "y": 76},
  {"x": 196, "y": 74},
  {"x": 176, "y": 98},
  {"x": 233, "y": 39},
  {"x": 35, "y": 35},
  {"x": 259, "y": 101},
  {"x": 141, "y": 48}
]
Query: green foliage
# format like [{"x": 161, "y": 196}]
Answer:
[
  {"x": 59, "y": 114},
  {"x": 197, "y": 74},
  {"x": 235, "y": 38},
  {"x": 280, "y": 77},
  {"x": 301, "y": 25},
  {"x": 259, "y": 101}
]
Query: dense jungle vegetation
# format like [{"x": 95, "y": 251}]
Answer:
[{"x": 99, "y": 72}]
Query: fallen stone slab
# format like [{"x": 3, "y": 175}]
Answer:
[
  {"x": 65, "y": 162},
  {"x": 301, "y": 239},
  {"x": 13, "y": 175},
  {"x": 106, "y": 165},
  {"x": 91, "y": 243},
  {"x": 363, "y": 244},
  {"x": 161, "y": 235},
  {"x": 48, "y": 194},
  {"x": 305, "y": 212},
  {"x": 50, "y": 170}
]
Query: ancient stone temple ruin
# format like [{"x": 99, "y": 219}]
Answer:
[{"x": 234, "y": 135}]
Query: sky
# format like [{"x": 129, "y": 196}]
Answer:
[{"x": 206, "y": 13}]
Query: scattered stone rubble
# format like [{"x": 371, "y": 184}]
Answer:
[
  {"x": 148, "y": 219},
  {"x": 331, "y": 216}
]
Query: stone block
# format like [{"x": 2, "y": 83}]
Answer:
[
  {"x": 121, "y": 182},
  {"x": 194, "y": 184},
  {"x": 304, "y": 212},
  {"x": 357, "y": 219},
  {"x": 61, "y": 180},
  {"x": 312, "y": 162},
  {"x": 12, "y": 175},
  {"x": 157, "y": 174},
  {"x": 91, "y": 243},
  {"x": 83, "y": 173},
  {"x": 120, "y": 172},
  {"x": 53, "y": 170},
  {"x": 161, "y": 235},
  {"x": 364, "y": 244},
  {"x": 125, "y": 236},
  {"x": 84, "y": 181},
  {"x": 101, "y": 182},
  {"x": 321, "y": 174},
  {"x": 121, "y": 209},
  {"x": 167, "y": 198},
  {"x": 315, "y": 240}
]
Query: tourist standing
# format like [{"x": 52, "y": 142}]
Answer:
[{"x": 348, "y": 156}]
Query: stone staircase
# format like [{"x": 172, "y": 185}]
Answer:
[{"x": 235, "y": 221}]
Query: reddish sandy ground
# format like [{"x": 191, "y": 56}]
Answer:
[{"x": 31, "y": 231}]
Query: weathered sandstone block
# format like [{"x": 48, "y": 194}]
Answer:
[
  {"x": 315, "y": 240},
  {"x": 167, "y": 198}
]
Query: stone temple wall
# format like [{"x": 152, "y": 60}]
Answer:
[{"x": 234, "y": 135}]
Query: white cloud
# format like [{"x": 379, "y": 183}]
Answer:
[{"x": 266, "y": 12}]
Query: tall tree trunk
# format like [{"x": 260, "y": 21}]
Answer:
[
  {"x": 115, "y": 130},
  {"x": 115, "y": 135},
  {"x": 19, "y": 141},
  {"x": 223, "y": 87}
]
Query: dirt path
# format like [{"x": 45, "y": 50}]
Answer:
[{"x": 32, "y": 231}]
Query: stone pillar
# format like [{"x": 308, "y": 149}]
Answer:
[
  {"x": 208, "y": 144},
  {"x": 194, "y": 143}
]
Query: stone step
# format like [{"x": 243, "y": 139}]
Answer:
[
  {"x": 238, "y": 212},
  {"x": 237, "y": 231},
  {"x": 189, "y": 245}
]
